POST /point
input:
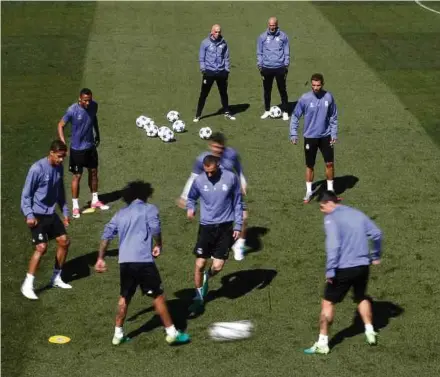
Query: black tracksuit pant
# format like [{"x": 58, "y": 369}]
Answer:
[
  {"x": 209, "y": 77},
  {"x": 280, "y": 75}
]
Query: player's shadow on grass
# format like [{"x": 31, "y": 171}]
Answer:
[
  {"x": 340, "y": 185},
  {"x": 253, "y": 238},
  {"x": 234, "y": 285},
  {"x": 240, "y": 283},
  {"x": 290, "y": 107},
  {"x": 79, "y": 267},
  {"x": 383, "y": 311},
  {"x": 178, "y": 310},
  {"x": 234, "y": 109},
  {"x": 106, "y": 198}
]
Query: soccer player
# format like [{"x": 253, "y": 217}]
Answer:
[
  {"x": 221, "y": 220},
  {"x": 83, "y": 152},
  {"x": 229, "y": 160},
  {"x": 138, "y": 225},
  {"x": 43, "y": 190},
  {"x": 273, "y": 59},
  {"x": 215, "y": 67},
  {"x": 348, "y": 231},
  {"x": 320, "y": 130}
]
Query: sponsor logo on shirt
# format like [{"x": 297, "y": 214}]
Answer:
[
  {"x": 326, "y": 103},
  {"x": 224, "y": 187},
  {"x": 205, "y": 188}
]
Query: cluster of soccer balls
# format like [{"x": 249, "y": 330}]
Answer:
[{"x": 166, "y": 134}]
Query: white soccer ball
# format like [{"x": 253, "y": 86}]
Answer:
[
  {"x": 205, "y": 133},
  {"x": 228, "y": 331},
  {"x": 165, "y": 134},
  {"x": 179, "y": 126},
  {"x": 275, "y": 112},
  {"x": 161, "y": 131},
  {"x": 151, "y": 130},
  {"x": 142, "y": 121},
  {"x": 150, "y": 122},
  {"x": 172, "y": 116}
]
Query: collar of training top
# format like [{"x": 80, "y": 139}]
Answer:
[{"x": 277, "y": 32}]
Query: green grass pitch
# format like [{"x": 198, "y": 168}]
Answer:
[{"x": 382, "y": 63}]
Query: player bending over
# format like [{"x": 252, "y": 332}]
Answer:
[
  {"x": 138, "y": 225},
  {"x": 348, "y": 233}
]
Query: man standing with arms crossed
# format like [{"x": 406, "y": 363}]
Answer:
[
  {"x": 215, "y": 67},
  {"x": 320, "y": 130},
  {"x": 273, "y": 59},
  {"x": 221, "y": 221},
  {"x": 348, "y": 232},
  {"x": 83, "y": 153},
  {"x": 138, "y": 225},
  {"x": 43, "y": 190}
]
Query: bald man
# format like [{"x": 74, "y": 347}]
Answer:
[
  {"x": 215, "y": 67},
  {"x": 273, "y": 59}
]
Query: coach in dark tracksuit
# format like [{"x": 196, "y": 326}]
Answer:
[
  {"x": 273, "y": 59},
  {"x": 215, "y": 67}
]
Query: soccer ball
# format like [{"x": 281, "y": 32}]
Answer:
[
  {"x": 165, "y": 134},
  {"x": 151, "y": 130},
  {"x": 142, "y": 121},
  {"x": 179, "y": 126},
  {"x": 205, "y": 133},
  {"x": 150, "y": 122},
  {"x": 161, "y": 131},
  {"x": 227, "y": 331},
  {"x": 275, "y": 112},
  {"x": 172, "y": 116}
]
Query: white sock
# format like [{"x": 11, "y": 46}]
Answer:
[
  {"x": 240, "y": 242},
  {"x": 369, "y": 328},
  {"x": 119, "y": 332},
  {"x": 94, "y": 197},
  {"x": 330, "y": 185},
  {"x": 309, "y": 186},
  {"x": 56, "y": 274},
  {"x": 323, "y": 340},
  {"x": 75, "y": 203},
  {"x": 29, "y": 280},
  {"x": 171, "y": 331},
  {"x": 199, "y": 293}
]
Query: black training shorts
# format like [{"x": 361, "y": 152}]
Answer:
[
  {"x": 311, "y": 146},
  {"x": 214, "y": 241},
  {"x": 87, "y": 158},
  {"x": 345, "y": 278},
  {"x": 48, "y": 228},
  {"x": 144, "y": 275}
]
